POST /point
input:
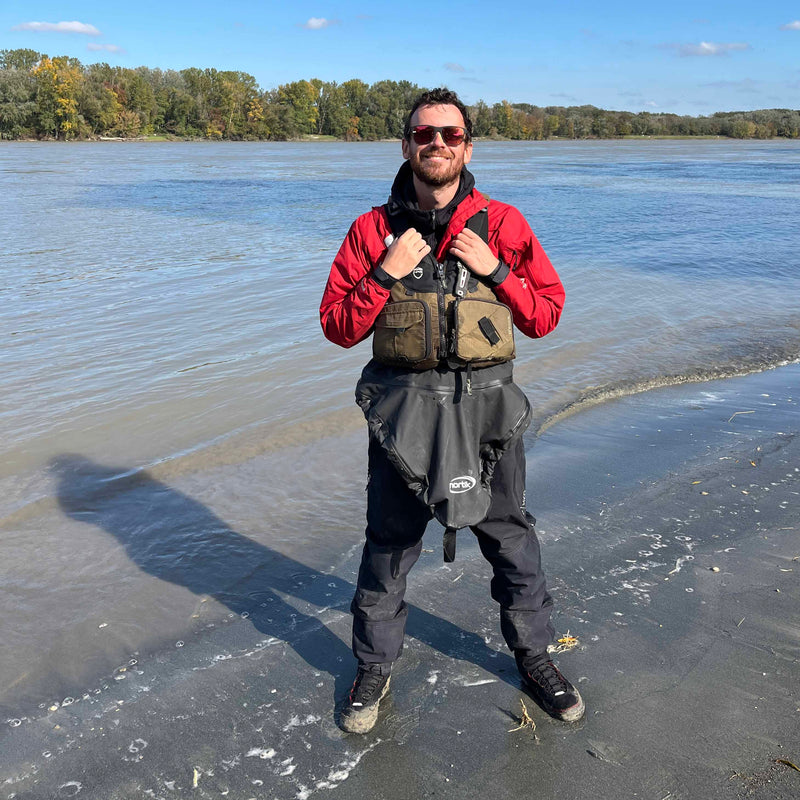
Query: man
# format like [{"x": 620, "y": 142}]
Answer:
[{"x": 438, "y": 274}]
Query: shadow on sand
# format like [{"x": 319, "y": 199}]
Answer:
[{"x": 175, "y": 538}]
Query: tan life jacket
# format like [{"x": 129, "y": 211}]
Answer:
[{"x": 442, "y": 311}]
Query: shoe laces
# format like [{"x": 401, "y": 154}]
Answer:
[
  {"x": 546, "y": 674},
  {"x": 365, "y": 685}
]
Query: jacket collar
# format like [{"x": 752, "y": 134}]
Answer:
[{"x": 404, "y": 198}]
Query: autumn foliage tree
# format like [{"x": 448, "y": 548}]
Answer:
[
  {"x": 58, "y": 82},
  {"x": 62, "y": 99}
]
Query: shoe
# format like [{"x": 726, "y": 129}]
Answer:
[
  {"x": 361, "y": 709},
  {"x": 549, "y": 688}
]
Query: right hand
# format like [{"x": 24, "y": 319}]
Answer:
[{"x": 405, "y": 253}]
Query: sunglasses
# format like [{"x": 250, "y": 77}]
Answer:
[{"x": 452, "y": 135}]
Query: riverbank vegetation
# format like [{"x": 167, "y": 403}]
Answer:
[{"x": 61, "y": 98}]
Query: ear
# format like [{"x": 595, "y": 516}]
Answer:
[
  {"x": 467, "y": 153},
  {"x": 406, "y": 149}
]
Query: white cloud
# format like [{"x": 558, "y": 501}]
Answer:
[
  {"x": 651, "y": 104},
  {"x": 709, "y": 48},
  {"x": 452, "y": 67},
  {"x": 318, "y": 23},
  {"x": 59, "y": 27},
  {"x": 791, "y": 26},
  {"x": 111, "y": 48}
]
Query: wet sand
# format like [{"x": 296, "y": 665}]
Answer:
[{"x": 691, "y": 674}]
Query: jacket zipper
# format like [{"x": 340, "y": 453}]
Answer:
[{"x": 440, "y": 292}]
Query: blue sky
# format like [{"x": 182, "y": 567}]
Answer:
[{"x": 685, "y": 57}]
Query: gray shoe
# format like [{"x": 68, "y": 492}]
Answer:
[{"x": 360, "y": 712}]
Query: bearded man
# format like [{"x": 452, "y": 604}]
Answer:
[{"x": 440, "y": 276}]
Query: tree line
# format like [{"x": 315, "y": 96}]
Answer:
[{"x": 60, "y": 98}]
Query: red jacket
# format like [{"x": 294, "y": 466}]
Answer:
[{"x": 532, "y": 289}]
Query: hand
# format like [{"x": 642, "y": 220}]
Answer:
[
  {"x": 405, "y": 253},
  {"x": 474, "y": 253}
]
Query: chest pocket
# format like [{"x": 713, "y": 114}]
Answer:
[
  {"x": 403, "y": 333},
  {"x": 483, "y": 331}
]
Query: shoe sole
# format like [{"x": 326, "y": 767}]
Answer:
[{"x": 362, "y": 720}]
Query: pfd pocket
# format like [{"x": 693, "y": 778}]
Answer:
[
  {"x": 484, "y": 331},
  {"x": 403, "y": 333}
]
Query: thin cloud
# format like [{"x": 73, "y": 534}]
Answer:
[
  {"x": 318, "y": 23},
  {"x": 59, "y": 27},
  {"x": 111, "y": 48},
  {"x": 744, "y": 86},
  {"x": 709, "y": 48},
  {"x": 791, "y": 26},
  {"x": 705, "y": 48},
  {"x": 452, "y": 67}
]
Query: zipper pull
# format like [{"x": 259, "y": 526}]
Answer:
[{"x": 463, "y": 277}]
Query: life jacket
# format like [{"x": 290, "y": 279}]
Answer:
[{"x": 441, "y": 311}]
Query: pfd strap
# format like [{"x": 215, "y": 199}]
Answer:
[
  {"x": 449, "y": 545},
  {"x": 394, "y": 563}
]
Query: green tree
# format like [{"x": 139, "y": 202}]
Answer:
[
  {"x": 17, "y": 104},
  {"x": 301, "y": 98},
  {"x": 22, "y": 59}
]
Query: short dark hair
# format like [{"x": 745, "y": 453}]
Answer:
[{"x": 438, "y": 97}]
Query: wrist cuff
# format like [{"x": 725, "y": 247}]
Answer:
[
  {"x": 382, "y": 277},
  {"x": 499, "y": 275}
]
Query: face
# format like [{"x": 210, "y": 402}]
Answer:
[{"x": 437, "y": 164}]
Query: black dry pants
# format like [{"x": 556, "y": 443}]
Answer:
[{"x": 396, "y": 521}]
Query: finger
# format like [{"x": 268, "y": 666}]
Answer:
[
  {"x": 468, "y": 236},
  {"x": 409, "y": 235}
]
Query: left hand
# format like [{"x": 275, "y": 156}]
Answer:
[{"x": 474, "y": 253}]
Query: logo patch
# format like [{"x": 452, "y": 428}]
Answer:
[
  {"x": 462, "y": 484},
  {"x": 417, "y": 273}
]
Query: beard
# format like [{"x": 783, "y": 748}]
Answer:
[{"x": 436, "y": 173}]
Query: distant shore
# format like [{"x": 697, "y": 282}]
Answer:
[{"x": 325, "y": 138}]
